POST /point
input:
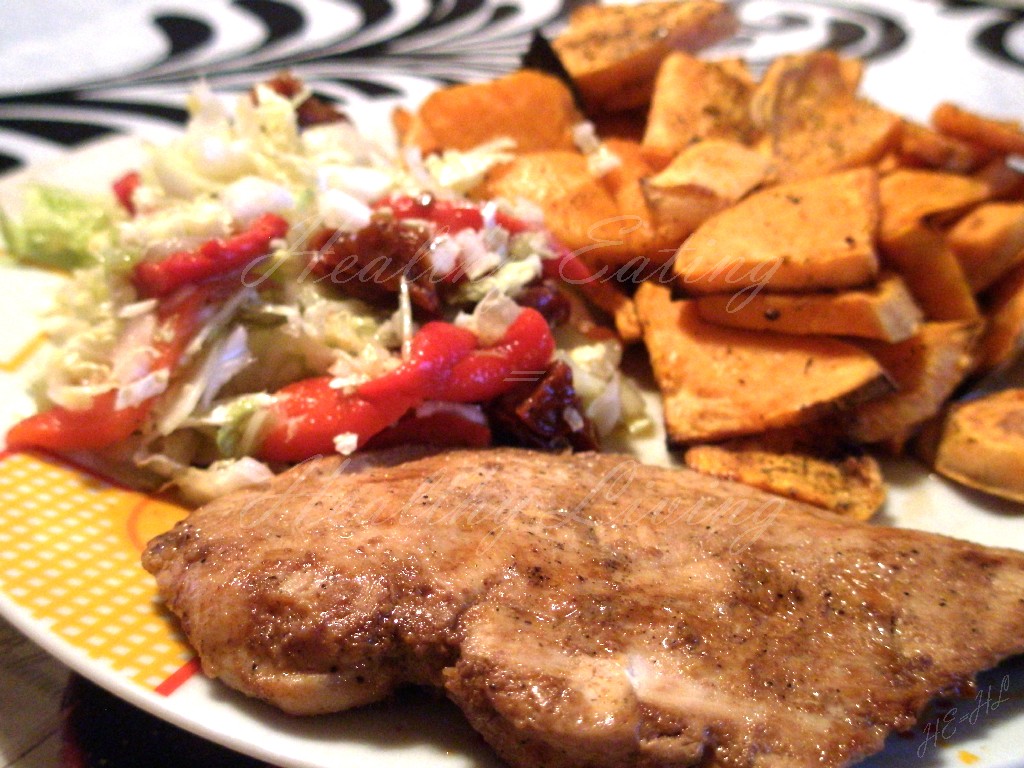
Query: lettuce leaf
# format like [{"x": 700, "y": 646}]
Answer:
[{"x": 58, "y": 228}]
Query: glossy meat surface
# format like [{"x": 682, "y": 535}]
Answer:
[{"x": 586, "y": 610}]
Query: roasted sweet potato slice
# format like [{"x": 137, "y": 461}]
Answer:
[
  {"x": 647, "y": 235},
  {"x": 1004, "y": 336},
  {"x": 695, "y": 100},
  {"x": 1003, "y": 136},
  {"x": 927, "y": 368},
  {"x": 815, "y": 122},
  {"x": 850, "y": 484},
  {"x": 929, "y": 267},
  {"x": 982, "y": 444},
  {"x": 578, "y": 209},
  {"x": 989, "y": 241},
  {"x": 702, "y": 180},
  {"x": 737, "y": 67},
  {"x": 808, "y": 235},
  {"x": 718, "y": 383},
  {"x": 911, "y": 201},
  {"x": 535, "y": 110},
  {"x": 402, "y": 121},
  {"x": 849, "y": 134},
  {"x": 726, "y": 169},
  {"x": 920, "y": 146},
  {"x": 796, "y": 82},
  {"x": 580, "y": 212},
  {"x": 613, "y": 52},
  {"x": 1003, "y": 181},
  {"x": 912, "y": 197},
  {"x": 885, "y": 311}
]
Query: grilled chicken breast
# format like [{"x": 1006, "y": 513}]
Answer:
[{"x": 587, "y": 610}]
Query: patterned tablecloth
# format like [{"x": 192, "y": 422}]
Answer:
[{"x": 72, "y": 72}]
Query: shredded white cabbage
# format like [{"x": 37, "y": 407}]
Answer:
[
  {"x": 338, "y": 209},
  {"x": 490, "y": 318},
  {"x": 509, "y": 278},
  {"x": 476, "y": 257},
  {"x": 283, "y": 321},
  {"x": 462, "y": 171},
  {"x": 250, "y": 197},
  {"x": 346, "y": 443},
  {"x": 609, "y": 399},
  {"x": 142, "y": 389},
  {"x": 225, "y": 358},
  {"x": 600, "y": 160},
  {"x": 199, "y": 486}
]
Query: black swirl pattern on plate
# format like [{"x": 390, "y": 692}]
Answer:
[
  {"x": 352, "y": 51},
  {"x": 996, "y": 38},
  {"x": 770, "y": 29},
  {"x": 451, "y": 40}
]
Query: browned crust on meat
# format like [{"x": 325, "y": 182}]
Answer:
[{"x": 585, "y": 610}]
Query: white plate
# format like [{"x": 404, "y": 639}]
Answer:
[{"x": 425, "y": 731}]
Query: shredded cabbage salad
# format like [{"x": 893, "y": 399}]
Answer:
[{"x": 237, "y": 296}]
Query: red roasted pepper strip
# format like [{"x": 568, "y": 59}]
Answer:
[
  {"x": 60, "y": 429},
  {"x": 523, "y": 352},
  {"x": 451, "y": 216},
  {"x": 434, "y": 351},
  {"x": 444, "y": 364},
  {"x": 569, "y": 268},
  {"x": 102, "y": 424},
  {"x": 513, "y": 224},
  {"x": 124, "y": 190},
  {"x": 308, "y": 414},
  {"x": 212, "y": 259}
]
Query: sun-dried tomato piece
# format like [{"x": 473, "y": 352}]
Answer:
[
  {"x": 545, "y": 414},
  {"x": 369, "y": 264},
  {"x": 312, "y": 110},
  {"x": 546, "y": 298}
]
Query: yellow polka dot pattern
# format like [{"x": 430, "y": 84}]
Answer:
[{"x": 69, "y": 555}]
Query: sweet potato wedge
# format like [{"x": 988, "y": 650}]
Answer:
[
  {"x": 1003, "y": 182},
  {"x": 988, "y": 242},
  {"x": 849, "y": 134},
  {"x": 1003, "y": 340},
  {"x": 912, "y": 197},
  {"x": 1003, "y": 136},
  {"x": 533, "y": 109},
  {"x": 613, "y": 52},
  {"x": 804, "y": 80},
  {"x": 695, "y": 100},
  {"x": 849, "y": 485},
  {"x": 718, "y": 383},
  {"x": 580, "y": 212},
  {"x": 885, "y": 311},
  {"x": 814, "y": 120},
  {"x": 726, "y": 169},
  {"x": 578, "y": 209},
  {"x": 649, "y": 235},
  {"x": 737, "y": 67},
  {"x": 923, "y": 257},
  {"x": 921, "y": 146},
  {"x": 982, "y": 444},
  {"x": 926, "y": 368},
  {"x": 702, "y": 180},
  {"x": 808, "y": 235}
]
